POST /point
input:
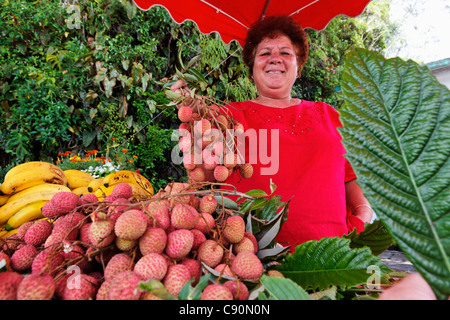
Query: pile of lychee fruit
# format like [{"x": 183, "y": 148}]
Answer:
[
  {"x": 102, "y": 250},
  {"x": 210, "y": 139}
]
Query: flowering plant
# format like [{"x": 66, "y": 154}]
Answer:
[{"x": 96, "y": 165}]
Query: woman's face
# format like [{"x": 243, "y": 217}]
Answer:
[{"x": 275, "y": 68}]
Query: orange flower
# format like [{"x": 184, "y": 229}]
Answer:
[
  {"x": 130, "y": 161},
  {"x": 135, "y": 157},
  {"x": 124, "y": 150},
  {"x": 113, "y": 139}
]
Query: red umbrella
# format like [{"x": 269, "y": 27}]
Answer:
[{"x": 232, "y": 18}]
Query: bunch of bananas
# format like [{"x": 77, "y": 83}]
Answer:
[
  {"x": 28, "y": 186},
  {"x": 142, "y": 188},
  {"x": 78, "y": 181},
  {"x": 25, "y": 190}
]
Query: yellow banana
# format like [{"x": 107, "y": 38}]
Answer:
[
  {"x": 27, "y": 213},
  {"x": 128, "y": 176},
  {"x": 95, "y": 184},
  {"x": 10, "y": 208},
  {"x": 29, "y": 178},
  {"x": 44, "y": 187},
  {"x": 103, "y": 192},
  {"x": 139, "y": 192},
  {"x": 33, "y": 165},
  {"x": 3, "y": 199},
  {"x": 2, "y": 233},
  {"x": 78, "y": 178},
  {"x": 80, "y": 191},
  {"x": 9, "y": 233}
]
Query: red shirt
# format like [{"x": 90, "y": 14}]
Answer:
[{"x": 304, "y": 156}]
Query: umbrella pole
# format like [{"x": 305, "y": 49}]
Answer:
[{"x": 263, "y": 15}]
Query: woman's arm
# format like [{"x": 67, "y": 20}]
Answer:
[{"x": 357, "y": 202}]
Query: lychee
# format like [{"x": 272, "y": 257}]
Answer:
[
  {"x": 197, "y": 174},
  {"x": 122, "y": 190},
  {"x": 252, "y": 238},
  {"x": 84, "y": 234},
  {"x": 125, "y": 245},
  {"x": 36, "y": 287},
  {"x": 185, "y": 114},
  {"x": 65, "y": 201},
  {"x": 64, "y": 230},
  {"x": 179, "y": 243},
  {"x": 189, "y": 161},
  {"x": 76, "y": 218},
  {"x": 124, "y": 286},
  {"x": 275, "y": 273},
  {"x": 117, "y": 207},
  {"x": 244, "y": 244},
  {"x": 234, "y": 229},
  {"x": 230, "y": 160},
  {"x": 221, "y": 173},
  {"x": 80, "y": 287},
  {"x": 246, "y": 170},
  {"x": 88, "y": 198},
  {"x": 20, "y": 234},
  {"x": 151, "y": 266},
  {"x": 131, "y": 224},
  {"x": 184, "y": 128},
  {"x": 199, "y": 238},
  {"x": 246, "y": 265},
  {"x": 118, "y": 263},
  {"x": 103, "y": 291},
  {"x": 238, "y": 289},
  {"x": 101, "y": 232},
  {"x": 208, "y": 204},
  {"x": 9, "y": 282},
  {"x": 238, "y": 128},
  {"x": 224, "y": 269},
  {"x": 216, "y": 292},
  {"x": 205, "y": 223},
  {"x": 22, "y": 258},
  {"x": 47, "y": 262},
  {"x": 185, "y": 143},
  {"x": 183, "y": 216},
  {"x": 195, "y": 268},
  {"x": 158, "y": 213},
  {"x": 210, "y": 162},
  {"x": 38, "y": 232},
  {"x": 201, "y": 127},
  {"x": 153, "y": 240},
  {"x": 176, "y": 277},
  {"x": 175, "y": 188},
  {"x": 74, "y": 254},
  {"x": 51, "y": 210},
  {"x": 210, "y": 253}
]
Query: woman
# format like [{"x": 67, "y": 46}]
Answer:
[{"x": 304, "y": 156}]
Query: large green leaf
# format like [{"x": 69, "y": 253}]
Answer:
[
  {"x": 396, "y": 130},
  {"x": 320, "y": 264},
  {"x": 277, "y": 288},
  {"x": 375, "y": 236}
]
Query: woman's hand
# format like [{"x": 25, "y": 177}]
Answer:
[{"x": 357, "y": 202}]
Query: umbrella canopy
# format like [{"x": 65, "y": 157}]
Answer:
[{"x": 232, "y": 18}]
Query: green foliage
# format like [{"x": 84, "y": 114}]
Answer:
[
  {"x": 277, "y": 288},
  {"x": 74, "y": 76},
  {"x": 375, "y": 236},
  {"x": 396, "y": 131},
  {"x": 317, "y": 265}
]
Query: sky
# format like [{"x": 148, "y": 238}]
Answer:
[{"x": 425, "y": 27}]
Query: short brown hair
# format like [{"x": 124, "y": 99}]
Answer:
[{"x": 271, "y": 27}]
